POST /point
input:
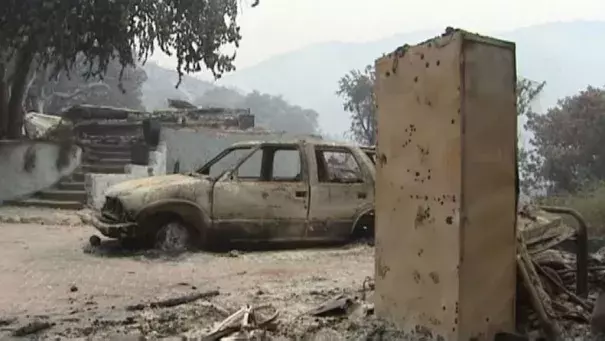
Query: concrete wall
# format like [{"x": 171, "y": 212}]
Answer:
[
  {"x": 97, "y": 184},
  {"x": 29, "y": 166},
  {"x": 445, "y": 188},
  {"x": 194, "y": 146},
  {"x": 156, "y": 164}
]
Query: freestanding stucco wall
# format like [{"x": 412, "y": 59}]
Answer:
[
  {"x": 445, "y": 188},
  {"x": 192, "y": 147}
]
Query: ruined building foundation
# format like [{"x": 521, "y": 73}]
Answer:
[{"x": 445, "y": 190}]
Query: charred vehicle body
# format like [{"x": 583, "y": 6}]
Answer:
[{"x": 253, "y": 191}]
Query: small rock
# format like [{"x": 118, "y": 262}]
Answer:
[
  {"x": 7, "y": 321},
  {"x": 234, "y": 253},
  {"x": 73, "y": 288},
  {"x": 13, "y": 220},
  {"x": 32, "y": 328}
]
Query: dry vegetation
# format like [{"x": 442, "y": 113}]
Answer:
[{"x": 589, "y": 202}]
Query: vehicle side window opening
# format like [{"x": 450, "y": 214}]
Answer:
[
  {"x": 337, "y": 166},
  {"x": 251, "y": 170},
  {"x": 372, "y": 157},
  {"x": 272, "y": 164},
  {"x": 285, "y": 165}
]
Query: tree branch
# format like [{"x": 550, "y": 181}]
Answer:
[{"x": 88, "y": 87}]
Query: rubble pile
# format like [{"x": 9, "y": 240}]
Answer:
[
  {"x": 185, "y": 113},
  {"x": 564, "y": 312},
  {"x": 552, "y": 300}
]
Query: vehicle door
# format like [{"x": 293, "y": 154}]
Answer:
[
  {"x": 265, "y": 197},
  {"x": 339, "y": 191}
]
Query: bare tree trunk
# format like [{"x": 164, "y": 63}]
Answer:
[
  {"x": 3, "y": 102},
  {"x": 18, "y": 89},
  {"x": 34, "y": 92}
]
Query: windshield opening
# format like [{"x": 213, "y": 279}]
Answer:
[
  {"x": 224, "y": 161},
  {"x": 371, "y": 154}
]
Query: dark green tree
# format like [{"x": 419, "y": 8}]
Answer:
[
  {"x": 528, "y": 160},
  {"x": 568, "y": 142},
  {"x": 42, "y": 34},
  {"x": 357, "y": 90}
]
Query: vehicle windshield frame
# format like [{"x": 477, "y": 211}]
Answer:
[
  {"x": 370, "y": 152},
  {"x": 251, "y": 148}
]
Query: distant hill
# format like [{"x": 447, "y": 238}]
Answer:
[
  {"x": 160, "y": 86},
  {"x": 272, "y": 112},
  {"x": 568, "y": 56}
]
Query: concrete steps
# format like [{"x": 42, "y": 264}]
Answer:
[
  {"x": 107, "y": 161},
  {"x": 62, "y": 195},
  {"x": 98, "y": 147},
  {"x": 100, "y": 155},
  {"x": 77, "y": 176},
  {"x": 71, "y": 185},
  {"x": 102, "y": 168},
  {"x": 70, "y": 192},
  {"x": 60, "y": 204}
]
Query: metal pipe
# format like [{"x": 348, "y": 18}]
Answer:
[{"x": 582, "y": 247}]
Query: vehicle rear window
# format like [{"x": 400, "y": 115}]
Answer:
[{"x": 337, "y": 167}]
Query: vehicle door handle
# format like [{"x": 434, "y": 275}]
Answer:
[
  {"x": 361, "y": 195},
  {"x": 300, "y": 194}
]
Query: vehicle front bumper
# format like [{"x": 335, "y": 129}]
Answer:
[{"x": 112, "y": 229}]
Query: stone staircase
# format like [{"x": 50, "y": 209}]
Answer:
[{"x": 70, "y": 193}]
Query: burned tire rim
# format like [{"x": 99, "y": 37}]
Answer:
[
  {"x": 364, "y": 229},
  {"x": 173, "y": 237}
]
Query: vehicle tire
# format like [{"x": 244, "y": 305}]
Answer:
[
  {"x": 364, "y": 229},
  {"x": 94, "y": 240},
  {"x": 131, "y": 243},
  {"x": 174, "y": 237}
]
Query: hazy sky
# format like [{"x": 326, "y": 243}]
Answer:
[{"x": 278, "y": 26}]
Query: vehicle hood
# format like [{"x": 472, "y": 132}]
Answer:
[{"x": 135, "y": 194}]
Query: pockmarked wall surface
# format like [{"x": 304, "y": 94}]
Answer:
[{"x": 445, "y": 187}]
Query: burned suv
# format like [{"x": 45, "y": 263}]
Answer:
[{"x": 252, "y": 191}]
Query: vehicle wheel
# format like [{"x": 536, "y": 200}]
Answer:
[
  {"x": 94, "y": 240},
  {"x": 364, "y": 229},
  {"x": 173, "y": 236}
]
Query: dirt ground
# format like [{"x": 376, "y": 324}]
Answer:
[{"x": 49, "y": 273}]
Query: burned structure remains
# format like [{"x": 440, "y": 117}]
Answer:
[{"x": 120, "y": 144}]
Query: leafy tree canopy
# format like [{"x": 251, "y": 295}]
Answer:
[
  {"x": 54, "y": 33},
  {"x": 357, "y": 90},
  {"x": 57, "y": 31},
  {"x": 527, "y": 93},
  {"x": 568, "y": 142}
]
